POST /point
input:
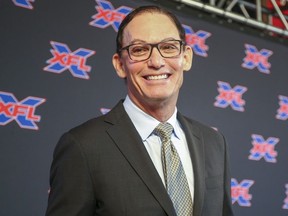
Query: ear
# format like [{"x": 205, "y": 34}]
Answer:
[
  {"x": 188, "y": 57},
  {"x": 118, "y": 65}
]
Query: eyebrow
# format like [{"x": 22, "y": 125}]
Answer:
[{"x": 136, "y": 41}]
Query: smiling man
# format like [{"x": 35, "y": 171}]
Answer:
[{"x": 143, "y": 158}]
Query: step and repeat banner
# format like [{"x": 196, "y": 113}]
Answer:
[{"x": 56, "y": 72}]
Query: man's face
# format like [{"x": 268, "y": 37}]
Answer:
[{"x": 156, "y": 79}]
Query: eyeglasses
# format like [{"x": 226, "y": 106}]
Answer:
[{"x": 143, "y": 51}]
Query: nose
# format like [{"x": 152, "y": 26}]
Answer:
[{"x": 156, "y": 60}]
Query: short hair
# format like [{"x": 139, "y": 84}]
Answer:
[{"x": 144, "y": 9}]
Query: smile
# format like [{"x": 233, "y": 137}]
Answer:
[{"x": 158, "y": 77}]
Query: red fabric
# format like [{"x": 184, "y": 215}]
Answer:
[{"x": 276, "y": 21}]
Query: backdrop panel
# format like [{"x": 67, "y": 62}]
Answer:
[{"x": 56, "y": 73}]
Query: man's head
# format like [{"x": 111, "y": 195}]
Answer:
[
  {"x": 152, "y": 56},
  {"x": 145, "y": 9}
]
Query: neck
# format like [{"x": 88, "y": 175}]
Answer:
[{"x": 160, "y": 110}]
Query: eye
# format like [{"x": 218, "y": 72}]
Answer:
[
  {"x": 169, "y": 47},
  {"x": 138, "y": 50}
]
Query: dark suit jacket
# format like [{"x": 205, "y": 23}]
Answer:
[{"x": 102, "y": 168}]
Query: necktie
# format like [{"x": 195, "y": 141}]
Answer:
[{"x": 175, "y": 178}]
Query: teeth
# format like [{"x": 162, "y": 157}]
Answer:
[{"x": 159, "y": 77}]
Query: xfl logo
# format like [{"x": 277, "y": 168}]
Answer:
[
  {"x": 282, "y": 112},
  {"x": 64, "y": 59},
  {"x": 230, "y": 96},
  {"x": 263, "y": 148},
  {"x": 255, "y": 58},
  {"x": 240, "y": 192},
  {"x": 22, "y": 112},
  {"x": 107, "y": 15},
  {"x": 23, "y": 3},
  {"x": 197, "y": 40}
]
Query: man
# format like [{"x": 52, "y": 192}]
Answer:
[{"x": 113, "y": 165}]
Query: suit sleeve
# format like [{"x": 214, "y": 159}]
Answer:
[
  {"x": 227, "y": 205},
  {"x": 71, "y": 188}
]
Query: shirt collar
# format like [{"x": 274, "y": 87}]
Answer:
[{"x": 145, "y": 123}]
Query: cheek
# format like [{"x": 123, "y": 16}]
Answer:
[
  {"x": 133, "y": 68},
  {"x": 177, "y": 64}
]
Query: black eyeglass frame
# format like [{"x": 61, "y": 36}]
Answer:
[{"x": 182, "y": 43}]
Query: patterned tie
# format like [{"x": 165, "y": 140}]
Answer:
[{"x": 175, "y": 178}]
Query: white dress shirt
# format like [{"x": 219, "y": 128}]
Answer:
[{"x": 145, "y": 124}]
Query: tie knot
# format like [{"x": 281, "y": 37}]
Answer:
[{"x": 164, "y": 131}]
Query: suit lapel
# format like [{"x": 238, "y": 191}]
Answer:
[
  {"x": 130, "y": 144},
  {"x": 196, "y": 148}
]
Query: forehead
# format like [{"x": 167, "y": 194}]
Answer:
[{"x": 150, "y": 27}]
